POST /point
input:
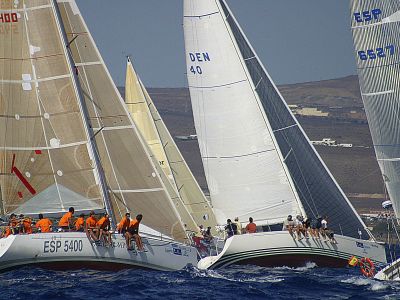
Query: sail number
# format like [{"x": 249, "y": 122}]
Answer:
[
  {"x": 376, "y": 53},
  {"x": 196, "y": 58},
  {"x": 58, "y": 246},
  {"x": 368, "y": 15},
  {"x": 8, "y": 18}
]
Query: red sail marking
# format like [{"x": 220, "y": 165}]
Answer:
[{"x": 23, "y": 180}]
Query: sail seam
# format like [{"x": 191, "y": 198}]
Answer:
[
  {"x": 43, "y": 148},
  {"x": 37, "y": 80},
  {"x": 89, "y": 63},
  {"x": 26, "y": 8}
]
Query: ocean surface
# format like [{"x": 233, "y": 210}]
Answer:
[{"x": 237, "y": 282}]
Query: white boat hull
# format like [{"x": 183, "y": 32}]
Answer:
[
  {"x": 390, "y": 272},
  {"x": 278, "y": 248},
  {"x": 71, "y": 250}
]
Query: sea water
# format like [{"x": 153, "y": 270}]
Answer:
[{"x": 235, "y": 282}]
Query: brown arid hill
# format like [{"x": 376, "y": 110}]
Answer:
[{"x": 355, "y": 169}]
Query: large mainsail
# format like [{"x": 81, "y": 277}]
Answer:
[
  {"x": 376, "y": 34},
  {"x": 257, "y": 159},
  {"x": 153, "y": 129},
  {"x": 45, "y": 151},
  {"x": 133, "y": 179}
]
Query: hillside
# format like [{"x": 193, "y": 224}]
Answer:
[{"x": 355, "y": 169}]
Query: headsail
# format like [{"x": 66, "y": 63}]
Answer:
[
  {"x": 153, "y": 129},
  {"x": 240, "y": 114},
  {"x": 375, "y": 26},
  {"x": 44, "y": 147}
]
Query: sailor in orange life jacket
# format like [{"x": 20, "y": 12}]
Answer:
[
  {"x": 103, "y": 225},
  {"x": 14, "y": 224},
  {"x": 66, "y": 221},
  {"x": 44, "y": 224},
  {"x": 79, "y": 223},
  {"x": 123, "y": 225},
  {"x": 133, "y": 231},
  {"x": 27, "y": 225},
  {"x": 90, "y": 228}
]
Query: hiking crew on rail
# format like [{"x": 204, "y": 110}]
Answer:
[{"x": 97, "y": 231}]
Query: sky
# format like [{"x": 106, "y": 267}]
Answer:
[{"x": 297, "y": 40}]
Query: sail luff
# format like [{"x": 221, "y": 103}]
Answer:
[{"x": 84, "y": 114}]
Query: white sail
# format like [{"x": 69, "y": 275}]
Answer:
[
  {"x": 44, "y": 144},
  {"x": 248, "y": 136},
  {"x": 244, "y": 172},
  {"x": 375, "y": 27},
  {"x": 171, "y": 161}
]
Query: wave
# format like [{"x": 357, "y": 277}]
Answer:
[{"x": 373, "y": 284}]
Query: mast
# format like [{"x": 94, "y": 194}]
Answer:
[{"x": 84, "y": 112}]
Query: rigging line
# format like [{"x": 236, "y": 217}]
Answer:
[
  {"x": 97, "y": 132},
  {"x": 71, "y": 41}
]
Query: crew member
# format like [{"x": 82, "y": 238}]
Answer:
[
  {"x": 79, "y": 223},
  {"x": 230, "y": 228},
  {"x": 44, "y": 224},
  {"x": 251, "y": 227},
  {"x": 133, "y": 231},
  {"x": 103, "y": 226},
  {"x": 238, "y": 226},
  {"x": 90, "y": 228},
  {"x": 66, "y": 221},
  {"x": 123, "y": 225},
  {"x": 27, "y": 225}
]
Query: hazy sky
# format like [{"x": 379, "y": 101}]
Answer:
[{"x": 297, "y": 40}]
